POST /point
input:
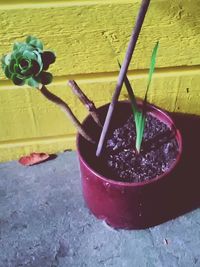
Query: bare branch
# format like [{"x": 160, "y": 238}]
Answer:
[
  {"x": 85, "y": 100},
  {"x": 59, "y": 102}
]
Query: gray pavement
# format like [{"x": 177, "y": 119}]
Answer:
[{"x": 44, "y": 223}]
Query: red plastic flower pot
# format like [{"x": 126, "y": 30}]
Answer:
[{"x": 124, "y": 204}]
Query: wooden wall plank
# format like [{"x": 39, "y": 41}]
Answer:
[
  {"x": 88, "y": 37},
  {"x": 32, "y": 122}
]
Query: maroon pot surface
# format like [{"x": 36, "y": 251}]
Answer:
[{"x": 120, "y": 204}]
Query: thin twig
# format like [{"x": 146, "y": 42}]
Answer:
[
  {"x": 58, "y": 101},
  {"x": 123, "y": 71},
  {"x": 85, "y": 100}
]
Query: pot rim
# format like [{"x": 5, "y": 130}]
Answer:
[{"x": 143, "y": 183}]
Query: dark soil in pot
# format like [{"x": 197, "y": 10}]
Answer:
[
  {"x": 158, "y": 152},
  {"x": 119, "y": 161}
]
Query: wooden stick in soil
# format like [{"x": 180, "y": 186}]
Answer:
[
  {"x": 122, "y": 73},
  {"x": 59, "y": 102},
  {"x": 85, "y": 100}
]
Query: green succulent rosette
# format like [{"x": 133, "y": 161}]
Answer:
[{"x": 27, "y": 63}]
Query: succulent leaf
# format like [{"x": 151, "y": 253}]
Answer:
[
  {"x": 33, "y": 41},
  {"x": 16, "y": 46},
  {"x": 29, "y": 55},
  {"x": 45, "y": 78},
  {"x": 16, "y": 80},
  {"x": 7, "y": 72},
  {"x": 39, "y": 59},
  {"x": 12, "y": 66},
  {"x": 7, "y": 59},
  {"x": 24, "y": 64},
  {"x": 48, "y": 58}
]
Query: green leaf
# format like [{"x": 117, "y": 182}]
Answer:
[
  {"x": 24, "y": 64},
  {"x": 140, "y": 121},
  {"x": 7, "y": 59},
  {"x": 39, "y": 59},
  {"x": 48, "y": 58},
  {"x": 29, "y": 39},
  {"x": 140, "y": 124},
  {"x": 16, "y": 55},
  {"x": 35, "y": 68},
  {"x": 29, "y": 55},
  {"x": 45, "y": 78},
  {"x": 16, "y": 80},
  {"x": 152, "y": 67},
  {"x": 139, "y": 116},
  {"x": 17, "y": 68},
  {"x": 7, "y": 72},
  {"x": 11, "y": 65},
  {"x": 24, "y": 47},
  {"x": 16, "y": 46},
  {"x": 33, "y": 41}
]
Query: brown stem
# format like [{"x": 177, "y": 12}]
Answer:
[
  {"x": 59, "y": 102},
  {"x": 85, "y": 100},
  {"x": 122, "y": 73}
]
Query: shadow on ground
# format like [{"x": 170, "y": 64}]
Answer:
[{"x": 185, "y": 191}]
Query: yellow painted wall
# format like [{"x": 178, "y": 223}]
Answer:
[{"x": 88, "y": 37}]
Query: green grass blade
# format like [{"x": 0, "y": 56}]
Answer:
[
  {"x": 152, "y": 67},
  {"x": 140, "y": 124},
  {"x": 138, "y": 115}
]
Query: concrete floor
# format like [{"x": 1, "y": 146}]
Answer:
[{"x": 44, "y": 223}]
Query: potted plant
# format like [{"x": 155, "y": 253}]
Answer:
[
  {"x": 127, "y": 167},
  {"x": 120, "y": 185},
  {"x": 129, "y": 185}
]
